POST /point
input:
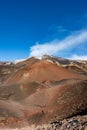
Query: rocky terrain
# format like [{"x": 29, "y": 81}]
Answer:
[{"x": 43, "y": 93}]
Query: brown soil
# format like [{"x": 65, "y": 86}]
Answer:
[{"x": 40, "y": 92}]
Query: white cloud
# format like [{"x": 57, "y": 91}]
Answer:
[
  {"x": 79, "y": 57},
  {"x": 56, "y": 46},
  {"x": 61, "y": 29}
]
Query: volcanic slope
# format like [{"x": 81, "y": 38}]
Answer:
[
  {"x": 41, "y": 71},
  {"x": 41, "y": 90}
]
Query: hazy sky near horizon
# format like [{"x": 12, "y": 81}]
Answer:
[{"x": 37, "y": 27}]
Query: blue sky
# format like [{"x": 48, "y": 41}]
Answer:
[{"x": 35, "y": 27}]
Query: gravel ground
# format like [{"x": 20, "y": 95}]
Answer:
[{"x": 73, "y": 123}]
